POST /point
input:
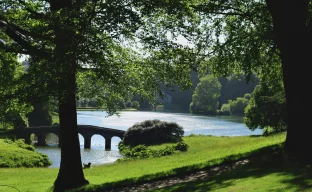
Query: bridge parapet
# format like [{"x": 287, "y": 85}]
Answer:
[{"x": 87, "y": 131}]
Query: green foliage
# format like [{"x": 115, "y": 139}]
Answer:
[
  {"x": 13, "y": 110},
  {"x": 266, "y": 131},
  {"x": 206, "y": 94},
  {"x": 20, "y": 143},
  {"x": 15, "y": 153},
  {"x": 85, "y": 102},
  {"x": 239, "y": 33},
  {"x": 247, "y": 96},
  {"x": 235, "y": 86},
  {"x": 12, "y": 117},
  {"x": 142, "y": 151},
  {"x": 225, "y": 109},
  {"x": 98, "y": 50},
  {"x": 237, "y": 107},
  {"x": 153, "y": 132},
  {"x": 181, "y": 146},
  {"x": 267, "y": 108},
  {"x": 135, "y": 104},
  {"x": 40, "y": 115}
]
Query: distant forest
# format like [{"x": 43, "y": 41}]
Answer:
[{"x": 232, "y": 87}]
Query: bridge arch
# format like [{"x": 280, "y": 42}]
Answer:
[
  {"x": 98, "y": 139},
  {"x": 81, "y": 139},
  {"x": 52, "y": 138},
  {"x": 86, "y": 131},
  {"x": 115, "y": 141},
  {"x": 32, "y": 138},
  {"x": 35, "y": 138}
]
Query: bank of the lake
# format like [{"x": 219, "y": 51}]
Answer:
[
  {"x": 203, "y": 152},
  {"x": 192, "y": 124}
]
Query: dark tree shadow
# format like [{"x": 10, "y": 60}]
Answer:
[{"x": 299, "y": 174}]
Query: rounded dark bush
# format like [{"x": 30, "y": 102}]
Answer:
[
  {"x": 181, "y": 146},
  {"x": 153, "y": 132}
]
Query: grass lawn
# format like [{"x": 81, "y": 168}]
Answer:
[
  {"x": 100, "y": 109},
  {"x": 204, "y": 151},
  {"x": 271, "y": 174}
]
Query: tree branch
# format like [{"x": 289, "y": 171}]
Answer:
[
  {"x": 9, "y": 31},
  {"x": 34, "y": 14},
  {"x": 28, "y": 33},
  {"x": 23, "y": 31},
  {"x": 209, "y": 10},
  {"x": 12, "y": 48}
]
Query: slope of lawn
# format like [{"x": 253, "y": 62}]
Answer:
[
  {"x": 274, "y": 173},
  {"x": 203, "y": 151}
]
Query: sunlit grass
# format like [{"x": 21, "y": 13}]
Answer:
[
  {"x": 204, "y": 151},
  {"x": 272, "y": 174}
]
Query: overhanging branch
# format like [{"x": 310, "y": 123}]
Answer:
[
  {"x": 12, "y": 48},
  {"x": 25, "y": 45}
]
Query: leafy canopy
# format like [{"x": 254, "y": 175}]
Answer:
[
  {"x": 206, "y": 94},
  {"x": 99, "y": 36}
]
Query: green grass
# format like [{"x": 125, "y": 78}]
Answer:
[
  {"x": 18, "y": 154},
  {"x": 204, "y": 151},
  {"x": 101, "y": 109},
  {"x": 273, "y": 174},
  {"x": 90, "y": 109},
  {"x": 129, "y": 109}
]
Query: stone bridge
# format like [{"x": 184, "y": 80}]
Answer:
[{"x": 87, "y": 131}]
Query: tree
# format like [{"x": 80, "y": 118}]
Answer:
[
  {"x": 11, "y": 112},
  {"x": 135, "y": 104},
  {"x": 267, "y": 107},
  {"x": 40, "y": 115},
  {"x": 260, "y": 37},
  {"x": 206, "y": 94},
  {"x": 66, "y": 39},
  {"x": 233, "y": 87},
  {"x": 237, "y": 106}
]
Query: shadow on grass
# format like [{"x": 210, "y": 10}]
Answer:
[
  {"x": 256, "y": 170},
  {"x": 293, "y": 176}
]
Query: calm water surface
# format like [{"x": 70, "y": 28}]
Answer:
[{"x": 192, "y": 124}]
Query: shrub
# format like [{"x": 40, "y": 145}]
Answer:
[
  {"x": 225, "y": 109},
  {"x": 20, "y": 143},
  {"x": 238, "y": 105},
  {"x": 135, "y": 104},
  {"x": 181, "y": 146},
  {"x": 128, "y": 104},
  {"x": 142, "y": 151},
  {"x": 153, "y": 132}
]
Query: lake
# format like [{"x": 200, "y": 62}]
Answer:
[{"x": 192, "y": 124}]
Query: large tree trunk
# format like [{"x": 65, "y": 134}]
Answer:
[
  {"x": 292, "y": 36},
  {"x": 70, "y": 173}
]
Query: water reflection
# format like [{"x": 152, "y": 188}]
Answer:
[{"x": 96, "y": 154}]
